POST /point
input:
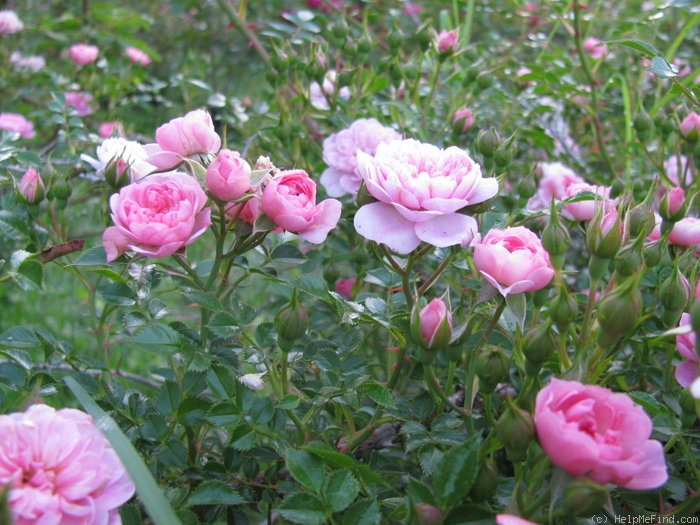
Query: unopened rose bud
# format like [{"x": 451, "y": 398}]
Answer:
[
  {"x": 431, "y": 327},
  {"x": 31, "y": 187},
  {"x": 583, "y": 497},
  {"x": 447, "y": 42},
  {"x": 60, "y": 190},
  {"x": 463, "y": 120},
  {"x": 690, "y": 127},
  {"x": 540, "y": 344},
  {"x": 672, "y": 205},
  {"x": 618, "y": 312},
  {"x": 515, "y": 429},
  {"x": 603, "y": 235},
  {"x": 674, "y": 292},
  {"x": 486, "y": 482},
  {"x": 291, "y": 322},
  {"x": 424, "y": 514},
  {"x": 487, "y": 141},
  {"x": 640, "y": 218},
  {"x": 228, "y": 176},
  {"x": 563, "y": 309},
  {"x": 555, "y": 238},
  {"x": 629, "y": 259},
  {"x": 492, "y": 367}
]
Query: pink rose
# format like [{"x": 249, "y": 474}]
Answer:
[
  {"x": 193, "y": 134},
  {"x": 157, "y": 216},
  {"x": 688, "y": 370},
  {"x": 344, "y": 287},
  {"x": 678, "y": 170},
  {"x": 83, "y": 54},
  {"x": 590, "y": 431},
  {"x": 18, "y": 124},
  {"x": 556, "y": 178},
  {"x": 340, "y": 153},
  {"x": 420, "y": 190},
  {"x": 228, "y": 176},
  {"x": 435, "y": 323},
  {"x": 137, "y": 56},
  {"x": 686, "y": 232},
  {"x": 31, "y": 186},
  {"x": 595, "y": 47},
  {"x": 509, "y": 519},
  {"x": 80, "y": 101},
  {"x": 106, "y": 129},
  {"x": 513, "y": 260},
  {"x": 671, "y": 203},
  {"x": 10, "y": 23},
  {"x": 463, "y": 119},
  {"x": 446, "y": 42},
  {"x": 584, "y": 210},
  {"x": 289, "y": 199},
  {"x": 60, "y": 468},
  {"x": 690, "y": 127}
]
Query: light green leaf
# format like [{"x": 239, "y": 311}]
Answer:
[{"x": 330, "y": 455}]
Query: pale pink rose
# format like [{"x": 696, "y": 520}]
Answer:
[
  {"x": 158, "y": 215},
  {"x": 686, "y": 232},
  {"x": 690, "y": 126},
  {"x": 31, "y": 186},
  {"x": 420, "y": 190},
  {"x": 31, "y": 63},
  {"x": 678, "y": 170},
  {"x": 193, "y": 134},
  {"x": 83, "y": 54},
  {"x": 509, "y": 519},
  {"x": 60, "y": 468},
  {"x": 590, "y": 431},
  {"x": 595, "y": 47},
  {"x": 320, "y": 93},
  {"x": 289, "y": 199},
  {"x": 556, "y": 178},
  {"x": 687, "y": 371},
  {"x": 80, "y": 101},
  {"x": 513, "y": 260},
  {"x": 137, "y": 56},
  {"x": 432, "y": 318},
  {"x": 463, "y": 119},
  {"x": 344, "y": 287},
  {"x": 133, "y": 157},
  {"x": 340, "y": 153},
  {"x": 228, "y": 176},
  {"x": 584, "y": 210},
  {"x": 18, "y": 124},
  {"x": 9, "y": 22},
  {"x": 447, "y": 41}
]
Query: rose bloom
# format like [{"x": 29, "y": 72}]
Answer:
[
  {"x": 18, "y": 124},
  {"x": 319, "y": 93},
  {"x": 513, "y": 260},
  {"x": 420, "y": 190},
  {"x": 31, "y": 63},
  {"x": 31, "y": 186},
  {"x": 130, "y": 154},
  {"x": 156, "y": 216},
  {"x": 106, "y": 129},
  {"x": 595, "y": 47},
  {"x": 340, "y": 153},
  {"x": 686, "y": 232},
  {"x": 590, "y": 431},
  {"x": 556, "y": 178},
  {"x": 137, "y": 56},
  {"x": 193, "y": 134},
  {"x": 289, "y": 199},
  {"x": 228, "y": 176},
  {"x": 687, "y": 371},
  {"x": 509, "y": 519},
  {"x": 584, "y": 210},
  {"x": 60, "y": 468},
  {"x": 83, "y": 54},
  {"x": 10, "y": 22},
  {"x": 447, "y": 41},
  {"x": 80, "y": 101}
]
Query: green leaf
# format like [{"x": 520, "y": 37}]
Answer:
[
  {"x": 14, "y": 226},
  {"x": 204, "y": 299},
  {"x": 157, "y": 338},
  {"x": 92, "y": 257},
  {"x": 313, "y": 286},
  {"x": 330, "y": 455},
  {"x": 214, "y": 492},
  {"x": 19, "y": 337},
  {"x": 516, "y": 310},
  {"x": 362, "y": 512},
  {"x": 303, "y": 508},
  {"x": 456, "y": 471},
  {"x": 288, "y": 253},
  {"x": 30, "y": 274},
  {"x": 223, "y": 415},
  {"x": 12, "y": 375},
  {"x": 168, "y": 398},
  {"x": 223, "y": 324},
  {"x": 149, "y": 493},
  {"x": 377, "y": 393},
  {"x": 307, "y": 469},
  {"x": 662, "y": 68},
  {"x": 118, "y": 294},
  {"x": 646, "y": 48},
  {"x": 340, "y": 489}
]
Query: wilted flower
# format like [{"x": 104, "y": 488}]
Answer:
[
  {"x": 60, "y": 468},
  {"x": 83, "y": 54},
  {"x": 10, "y": 22},
  {"x": 137, "y": 56},
  {"x": 420, "y": 190},
  {"x": 340, "y": 153},
  {"x": 18, "y": 124}
]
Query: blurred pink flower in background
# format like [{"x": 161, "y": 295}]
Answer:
[
  {"x": 678, "y": 170},
  {"x": 10, "y": 22},
  {"x": 319, "y": 94},
  {"x": 509, "y": 519},
  {"x": 157, "y": 216},
  {"x": 18, "y": 124},
  {"x": 80, "y": 101},
  {"x": 513, "y": 260},
  {"x": 137, "y": 56},
  {"x": 289, "y": 199},
  {"x": 106, "y": 129},
  {"x": 584, "y": 210},
  {"x": 340, "y": 153},
  {"x": 83, "y": 54},
  {"x": 31, "y": 63},
  {"x": 554, "y": 183},
  {"x": 60, "y": 468},
  {"x": 228, "y": 175},
  {"x": 344, "y": 287},
  {"x": 420, "y": 190},
  {"x": 447, "y": 42},
  {"x": 689, "y": 369},
  {"x": 595, "y": 47},
  {"x": 591, "y": 431}
]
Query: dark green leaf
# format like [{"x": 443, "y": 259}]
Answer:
[
  {"x": 118, "y": 294},
  {"x": 288, "y": 253},
  {"x": 19, "y": 337},
  {"x": 14, "y": 226},
  {"x": 646, "y": 48},
  {"x": 168, "y": 398},
  {"x": 328, "y": 454},
  {"x": 223, "y": 324},
  {"x": 204, "y": 299},
  {"x": 307, "y": 469},
  {"x": 92, "y": 257},
  {"x": 377, "y": 393},
  {"x": 157, "y": 338},
  {"x": 30, "y": 274},
  {"x": 214, "y": 492},
  {"x": 362, "y": 512},
  {"x": 340, "y": 489},
  {"x": 303, "y": 508},
  {"x": 12, "y": 375},
  {"x": 456, "y": 471}
]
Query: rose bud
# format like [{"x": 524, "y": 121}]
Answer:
[
  {"x": 31, "y": 187},
  {"x": 515, "y": 428},
  {"x": 492, "y": 367},
  {"x": 583, "y": 497},
  {"x": 690, "y": 127},
  {"x": 291, "y": 322},
  {"x": 228, "y": 176}
]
